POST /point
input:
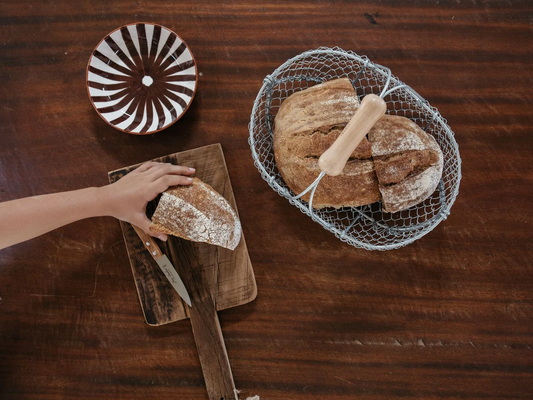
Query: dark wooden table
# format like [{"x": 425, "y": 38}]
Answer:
[{"x": 450, "y": 316}]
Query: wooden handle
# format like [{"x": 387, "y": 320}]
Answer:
[
  {"x": 149, "y": 243},
  {"x": 334, "y": 159},
  {"x": 212, "y": 351},
  {"x": 204, "y": 320},
  {"x": 202, "y": 285}
]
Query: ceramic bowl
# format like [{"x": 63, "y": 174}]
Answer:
[{"x": 141, "y": 78}]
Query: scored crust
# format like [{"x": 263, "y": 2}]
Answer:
[
  {"x": 357, "y": 185},
  {"x": 307, "y": 124},
  {"x": 408, "y": 162},
  {"x": 197, "y": 212},
  {"x": 399, "y": 163},
  {"x": 327, "y": 104}
]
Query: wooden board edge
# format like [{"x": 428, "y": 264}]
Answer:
[
  {"x": 253, "y": 294},
  {"x": 122, "y": 228},
  {"x": 123, "y": 231}
]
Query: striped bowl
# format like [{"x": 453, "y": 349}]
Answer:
[{"x": 141, "y": 78}]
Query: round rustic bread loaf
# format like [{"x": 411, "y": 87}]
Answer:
[
  {"x": 307, "y": 123},
  {"x": 399, "y": 163}
]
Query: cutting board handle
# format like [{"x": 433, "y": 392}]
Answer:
[{"x": 212, "y": 351}]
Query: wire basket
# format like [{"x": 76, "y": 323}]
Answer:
[{"x": 367, "y": 227}]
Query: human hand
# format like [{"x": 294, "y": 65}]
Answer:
[{"x": 126, "y": 199}]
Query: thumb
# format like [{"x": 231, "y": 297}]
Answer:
[{"x": 142, "y": 221}]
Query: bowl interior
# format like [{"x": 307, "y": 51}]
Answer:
[{"x": 141, "y": 78}]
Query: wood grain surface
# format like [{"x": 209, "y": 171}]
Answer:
[
  {"x": 228, "y": 274},
  {"x": 216, "y": 278},
  {"x": 449, "y": 316}
]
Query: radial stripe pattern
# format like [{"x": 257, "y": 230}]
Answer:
[{"x": 141, "y": 78}]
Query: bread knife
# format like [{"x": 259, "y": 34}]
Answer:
[{"x": 165, "y": 264}]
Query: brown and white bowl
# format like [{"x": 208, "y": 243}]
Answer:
[{"x": 141, "y": 78}]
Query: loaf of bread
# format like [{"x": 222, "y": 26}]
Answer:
[
  {"x": 407, "y": 160},
  {"x": 198, "y": 213},
  {"x": 399, "y": 163},
  {"x": 307, "y": 123}
]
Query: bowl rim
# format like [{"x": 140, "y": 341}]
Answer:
[{"x": 179, "y": 116}]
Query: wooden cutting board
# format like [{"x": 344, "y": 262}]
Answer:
[
  {"x": 228, "y": 273},
  {"x": 216, "y": 278}
]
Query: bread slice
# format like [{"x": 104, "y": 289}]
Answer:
[
  {"x": 307, "y": 124},
  {"x": 407, "y": 160},
  {"x": 198, "y": 213}
]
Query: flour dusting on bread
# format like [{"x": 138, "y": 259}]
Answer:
[
  {"x": 399, "y": 163},
  {"x": 198, "y": 213}
]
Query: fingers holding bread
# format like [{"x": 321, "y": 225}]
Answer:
[
  {"x": 197, "y": 212},
  {"x": 157, "y": 171},
  {"x": 145, "y": 167},
  {"x": 165, "y": 181}
]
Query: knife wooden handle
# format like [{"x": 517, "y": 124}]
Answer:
[{"x": 149, "y": 243}]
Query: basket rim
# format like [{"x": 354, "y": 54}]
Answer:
[{"x": 270, "y": 79}]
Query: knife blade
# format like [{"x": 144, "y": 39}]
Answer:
[{"x": 165, "y": 264}]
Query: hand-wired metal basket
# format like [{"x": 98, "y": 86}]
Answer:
[{"x": 367, "y": 226}]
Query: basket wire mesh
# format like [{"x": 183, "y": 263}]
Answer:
[{"x": 368, "y": 226}]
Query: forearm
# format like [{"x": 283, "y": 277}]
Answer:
[
  {"x": 27, "y": 218},
  {"x": 125, "y": 200}
]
